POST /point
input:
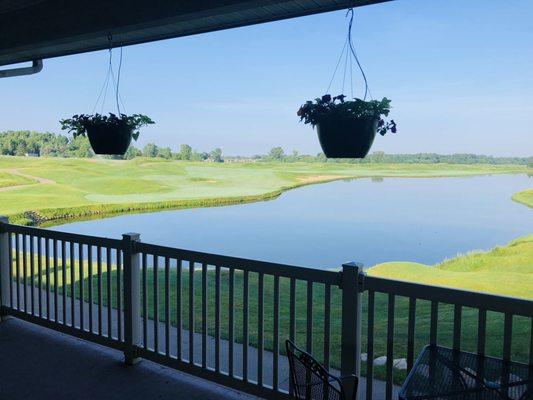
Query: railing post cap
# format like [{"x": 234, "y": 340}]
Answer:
[
  {"x": 353, "y": 264},
  {"x": 131, "y": 236}
]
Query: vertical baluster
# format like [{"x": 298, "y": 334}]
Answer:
[
  {"x": 32, "y": 275},
  {"x": 204, "y": 315},
  {"x": 292, "y": 319},
  {"x": 64, "y": 280},
  {"x": 245, "y": 336},
  {"x": 390, "y": 345},
  {"x": 309, "y": 339},
  {"x": 40, "y": 275},
  {"x": 433, "y": 323},
  {"x": 327, "y": 325},
  {"x": 275, "y": 336},
  {"x": 109, "y": 294},
  {"x": 17, "y": 266},
  {"x": 156, "y": 302},
  {"x": 292, "y": 311},
  {"x": 167, "y": 306},
  {"x": 179, "y": 302},
  {"x": 217, "y": 318},
  {"x": 25, "y": 273},
  {"x": 231, "y": 321},
  {"x": 191, "y": 312},
  {"x": 370, "y": 346},
  {"x": 80, "y": 279},
  {"x": 481, "y": 331},
  {"x": 47, "y": 273},
  {"x": 145, "y": 301},
  {"x": 56, "y": 277},
  {"x": 90, "y": 284},
  {"x": 119, "y": 294},
  {"x": 507, "y": 336},
  {"x": 10, "y": 252},
  {"x": 457, "y": 317},
  {"x": 72, "y": 286},
  {"x": 99, "y": 283},
  {"x": 531, "y": 343},
  {"x": 411, "y": 333},
  {"x": 260, "y": 335}
]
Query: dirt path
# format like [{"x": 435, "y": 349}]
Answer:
[{"x": 38, "y": 179}]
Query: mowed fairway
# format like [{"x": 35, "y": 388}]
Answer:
[
  {"x": 524, "y": 197},
  {"x": 35, "y": 190},
  {"x": 506, "y": 270}
]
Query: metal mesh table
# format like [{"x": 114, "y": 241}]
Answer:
[{"x": 442, "y": 373}]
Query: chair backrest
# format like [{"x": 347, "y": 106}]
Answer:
[{"x": 309, "y": 379}]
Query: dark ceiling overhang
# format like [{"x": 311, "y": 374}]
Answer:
[{"x": 39, "y": 29}]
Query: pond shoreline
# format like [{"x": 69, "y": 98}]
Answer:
[{"x": 48, "y": 217}]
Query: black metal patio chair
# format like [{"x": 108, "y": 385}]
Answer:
[{"x": 310, "y": 380}]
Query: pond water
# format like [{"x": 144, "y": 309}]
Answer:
[{"x": 364, "y": 220}]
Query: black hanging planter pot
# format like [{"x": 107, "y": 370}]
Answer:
[
  {"x": 346, "y": 129},
  {"x": 110, "y": 135},
  {"x": 345, "y": 136},
  {"x": 111, "y": 139}
]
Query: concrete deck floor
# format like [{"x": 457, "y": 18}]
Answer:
[
  {"x": 38, "y": 363},
  {"x": 29, "y": 338}
]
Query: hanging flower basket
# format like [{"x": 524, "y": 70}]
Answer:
[
  {"x": 346, "y": 129},
  {"x": 107, "y": 134}
]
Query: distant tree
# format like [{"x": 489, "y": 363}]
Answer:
[
  {"x": 79, "y": 147},
  {"x": 216, "y": 155},
  {"x": 164, "y": 152},
  {"x": 321, "y": 157},
  {"x": 150, "y": 150},
  {"x": 131, "y": 153},
  {"x": 185, "y": 152},
  {"x": 197, "y": 156},
  {"x": 378, "y": 156},
  {"x": 276, "y": 153}
]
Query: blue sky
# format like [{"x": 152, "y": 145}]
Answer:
[{"x": 459, "y": 73}]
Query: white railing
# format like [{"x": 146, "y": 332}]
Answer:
[{"x": 226, "y": 318}]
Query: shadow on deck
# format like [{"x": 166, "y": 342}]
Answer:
[{"x": 38, "y": 363}]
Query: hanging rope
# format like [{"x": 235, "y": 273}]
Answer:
[
  {"x": 337, "y": 66},
  {"x": 348, "y": 52},
  {"x": 352, "y": 49},
  {"x": 110, "y": 75}
]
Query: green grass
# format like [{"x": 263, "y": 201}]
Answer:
[
  {"x": 9, "y": 180},
  {"x": 507, "y": 270},
  {"x": 524, "y": 197},
  {"x": 467, "y": 271},
  {"x": 82, "y": 188},
  {"x": 85, "y": 188}
]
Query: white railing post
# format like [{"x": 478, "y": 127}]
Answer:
[
  {"x": 132, "y": 298},
  {"x": 352, "y": 288}
]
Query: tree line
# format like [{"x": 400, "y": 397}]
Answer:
[
  {"x": 278, "y": 154},
  {"x": 39, "y": 144},
  {"x": 31, "y": 143}
]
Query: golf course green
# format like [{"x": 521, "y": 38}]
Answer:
[{"x": 38, "y": 190}]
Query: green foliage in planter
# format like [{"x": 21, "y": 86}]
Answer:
[
  {"x": 336, "y": 107},
  {"x": 78, "y": 124}
]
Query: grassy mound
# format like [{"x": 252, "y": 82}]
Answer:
[
  {"x": 505, "y": 270},
  {"x": 524, "y": 197}
]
